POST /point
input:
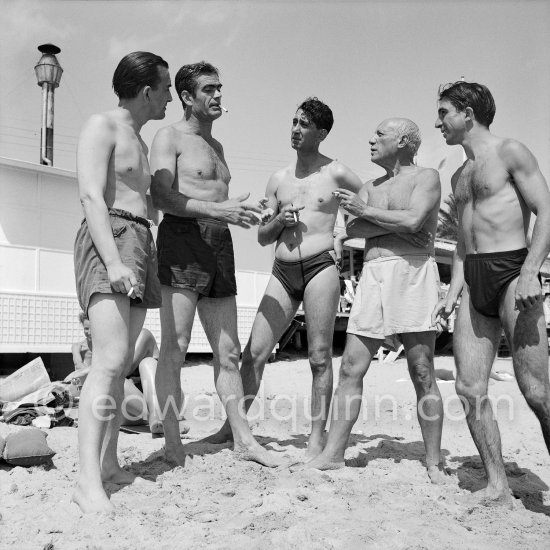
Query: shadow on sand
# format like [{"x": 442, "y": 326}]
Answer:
[
  {"x": 525, "y": 485},
  {"x": 389, "y": 448}
]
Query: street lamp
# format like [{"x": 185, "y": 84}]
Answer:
[{"x": 48, "y": 74}]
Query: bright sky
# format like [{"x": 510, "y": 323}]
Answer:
[{"x": 368, "y": 60}]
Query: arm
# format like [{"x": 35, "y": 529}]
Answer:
[
  {"x": 524, "y": 169},
  {"x": 445, "y": 306},
  {"x": 425, "y": 196},
  {"x": 95, "y": 147},
  {"x": 270, "y": 232},
  {"x": 362, "y": 228},
  {"x": 166, "y": 198},
  {"x": 77, "y": 357}
]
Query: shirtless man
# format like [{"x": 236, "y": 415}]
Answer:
[
  {"x": 496, "y": 190},
  {"x": 398, "y": 288},
  {"x": 196, "y": 264},
  {"x": 115, "y": 262},
  {"x": 305, "y": 208}
]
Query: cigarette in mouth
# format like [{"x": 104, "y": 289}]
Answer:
[
  {"x": 295, "y": 217},
  {"x": 224, "y": 109}
]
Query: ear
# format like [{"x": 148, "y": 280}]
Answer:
[
  {"x": 146, "y": 93},
  {"x": 322, "y": 134},
  {"x": 403, "y": 141},
  {"x": 187, "y": 98},
  {"x": 469, "y": 114}
]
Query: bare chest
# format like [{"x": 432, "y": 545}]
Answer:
[
  {"x": 202, "y": 161},
  {"x": 129, "y": 164},
  {"x": 393, "y": 194},
  {"x": 480, "y": 179},
  {"x": 313, "y": 192}
]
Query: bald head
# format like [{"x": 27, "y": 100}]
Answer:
[{"x": 406, "y": 127}]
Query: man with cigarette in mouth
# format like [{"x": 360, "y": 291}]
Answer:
[
  {"x": 398, "y": 289},
  {"x": 196, "y": 263},
  {"x": 302, "y": 225},
  {"x": 115, "y": 262}
]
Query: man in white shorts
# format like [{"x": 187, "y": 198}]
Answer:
[{"x": 397, "y": 214}]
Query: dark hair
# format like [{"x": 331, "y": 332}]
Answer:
[
  {"x": 318, "y": 113},
  {"x": 136, "y": 70},
  {"x": 470, "y": 94},
  {"x": 188, "y": 75},
  {"x": 82, "y": 317}
]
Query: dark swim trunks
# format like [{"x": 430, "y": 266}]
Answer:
[
  {"x": 136, "y": 247},
  {"x": 295, "y": 276},
  {"x": 488, "y": 276},
  {"x": 196, "y": 254}
]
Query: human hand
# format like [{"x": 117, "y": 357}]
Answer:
[
  {"x": 350, "y": 201},
  {"x": 528, "y": 292},
  {"x": 441, "y": 313},
  {"x": 122, "y": 278},
  {"x": 266, "y": 212},
  {"x": 420, "y": 238},
  {"x": 238, "y": 212},
  {"x": 289, "y": 216}
]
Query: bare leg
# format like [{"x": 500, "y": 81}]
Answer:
[
  {"x": 476, "y": 340},
  {"x": 275, "y": 313},
  {"x": 320, "y": 304},
  {"x": 526, "y": 333},
  {"x": 419, "y": 348},
  {"x": 147, "y": 373},
  {"x": 146, "y": 346},
  {"x": 110, "y": 322},
  {"x": 176, "y": 319},
  {"x": 346, "y": 403},
  {"x": 134, "y": 407},
  {"x": 110, "y": 468},
  {"x": 219, "y": 319}
]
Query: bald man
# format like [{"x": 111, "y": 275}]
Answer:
[{"x": 397, "y": 215}]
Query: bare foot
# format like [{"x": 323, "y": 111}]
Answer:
[
  {"x": 438, "y": 476},
  {"x": 156, "y": 427},
  {"x": 225, "y": 435},
  {"x": 256, "y": 453},
  {"x": 314, "y": 449},
  {"x": 92, "y": 501},
  {"x": 319, "y": 463},
  {"x": 176, "y": 456},
  {"x": 491, "y": 498},
  {"x": 117, "y": 476}
]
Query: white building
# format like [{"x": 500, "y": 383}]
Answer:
[{"x": 40, "y": 214}]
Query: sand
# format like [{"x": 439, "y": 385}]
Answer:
[{"x": 381, "y": 500}]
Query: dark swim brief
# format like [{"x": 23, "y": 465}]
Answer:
[
  {"x": 196, "y": 254},
  {"x": 295, "y": 276},
  {"x": 488, "y": 276},
  {"x": 136, "y": 247}
]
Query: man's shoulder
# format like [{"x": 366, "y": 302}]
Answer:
[
  {"x": 106, "y": 121},
  {"x": 427, "y": 174},
  {"x": 283, "y": 174},
  {"x": 509, "y": 146}
]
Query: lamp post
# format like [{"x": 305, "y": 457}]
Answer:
[{"x": 48, "y": 74}]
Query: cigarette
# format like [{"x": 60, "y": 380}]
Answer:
[
  {"x": 224, "y": 109},
  {"x": 295, "y": 217},
  {"x": 336, "y": 194},
  {"x": 130, "y": 292}
]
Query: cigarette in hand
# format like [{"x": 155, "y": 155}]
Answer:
[
  {"x": 336, "y": 194},
  {"x": 131, "y": 293}
]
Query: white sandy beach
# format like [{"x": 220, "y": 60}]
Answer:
[{"x": 381, "y": 500}]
